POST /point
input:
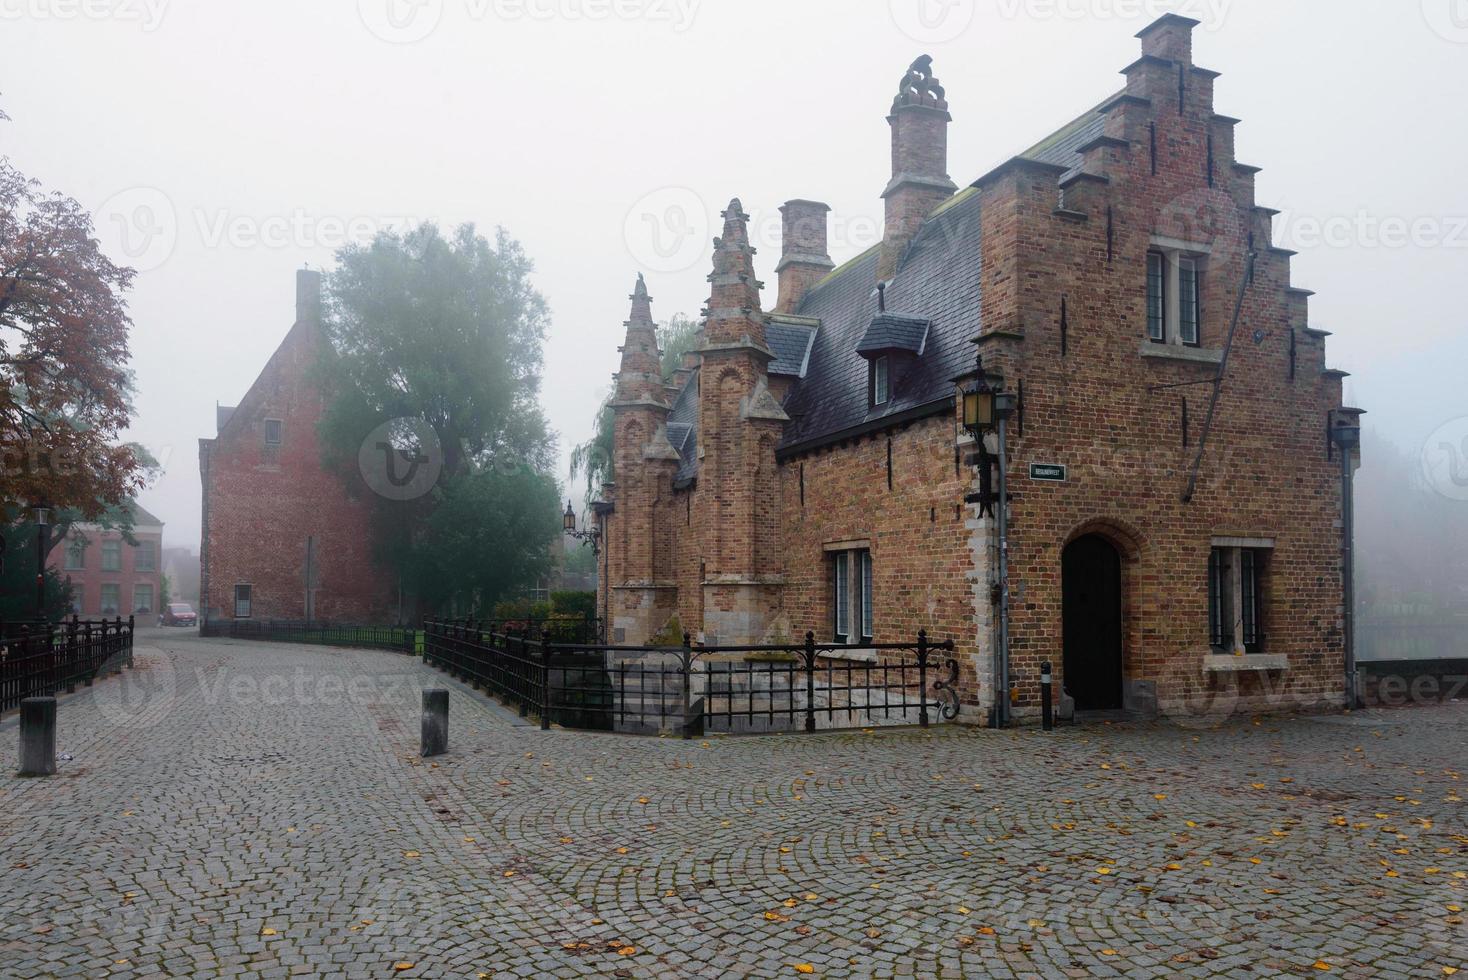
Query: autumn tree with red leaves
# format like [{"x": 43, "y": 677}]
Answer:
[{"x": 64, "y": 377}]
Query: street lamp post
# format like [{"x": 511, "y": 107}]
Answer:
[
  {"x": 986, "y": 409},
  {"x": 591, "y": 536},
  {"x": 43, "y": 520},
  {"x": 1345, "y": 435}
]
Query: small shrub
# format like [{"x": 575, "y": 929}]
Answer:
[{"x": 574, "y": 604}]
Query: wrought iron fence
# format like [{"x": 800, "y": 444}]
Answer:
[
  {"x": 41, "y": 659},
  {"x": 400, "y": 639},
  {"x": 690, "y": 690}
]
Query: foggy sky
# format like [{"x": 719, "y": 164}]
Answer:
[{"x": 225, "y": 143}]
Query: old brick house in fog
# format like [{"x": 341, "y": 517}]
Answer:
[
  {"x": 807, "y": 469},
  {"x": 111, "y": 575},
  {"x": 282, "y": 537}
]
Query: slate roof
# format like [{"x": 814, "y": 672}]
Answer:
[
  {"x": 932, "y": 309},
  {"x": 894, "y": 332},
  {"x": 938, "y": 281},
  {"x": 683, "y": 429},
  {"x": 790, "y": 343},
  {"x": 141, "y": 515},
  {"x": 1061, "y": 147}
]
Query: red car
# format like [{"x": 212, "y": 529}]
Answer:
[{"x": 178, "y": 614}]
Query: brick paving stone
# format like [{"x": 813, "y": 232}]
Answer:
[{"x": 260, "y": 811}]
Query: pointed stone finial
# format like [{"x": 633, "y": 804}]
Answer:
[
  {"x": 641, "y": 302},
  {"x": 736, "y": 222}
]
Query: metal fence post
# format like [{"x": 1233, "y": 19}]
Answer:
[
  {"x": 72, "y": 659},
  {"x": 922, "y": 652},
  {"x": 131, "y": 632},
  {"x": 687, "y": 686},
  {"x": 516, "y": 646},
  {"x": 545, "y": 685},
  {"x": 810, "y": 681}
]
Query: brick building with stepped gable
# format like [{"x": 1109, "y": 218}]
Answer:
[
  {"x": 282, "y": 537},
  {"x": 806, "y": 469}
]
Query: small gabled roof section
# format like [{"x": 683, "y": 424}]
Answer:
[
  {"x": 895, "y": 332},
  {"x": 790, "y": 339},
  {"x": 683, "y": 431}
]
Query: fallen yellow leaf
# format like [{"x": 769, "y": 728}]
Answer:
[
  {"x": 400, "y": 967},
  {"x": 267, "y": 932},
  {"x": 804, "y": 968}
]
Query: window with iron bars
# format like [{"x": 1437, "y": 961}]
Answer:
[{"x": 1235, "y": 599}]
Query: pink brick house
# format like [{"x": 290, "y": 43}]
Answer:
[{"x": 109, "y": 576}]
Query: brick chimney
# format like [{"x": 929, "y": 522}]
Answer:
[
  {"x": 920, "y": 180},
  {"x": 1169, "y": 37},
  {"x": 308, "y": 296},
  {"x": 804, "y": 256}
]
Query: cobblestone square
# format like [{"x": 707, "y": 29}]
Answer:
[{"x": 233, "y": 809}]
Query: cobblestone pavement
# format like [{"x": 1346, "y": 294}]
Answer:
[{"x": 238, "y": 809}]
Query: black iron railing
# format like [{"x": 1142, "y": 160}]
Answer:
[
  {"x": 400, "y": 639},
  {"x": 41, "y": 659},
  {"x": 691, "y": 689}
]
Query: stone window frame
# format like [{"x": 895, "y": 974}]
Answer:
[
  {"x": 850, "y": 576},
  {"x": 249, "y": 600},
  {"x": 1246, "y": 564},
  {"x": 112, "y": 555},
  {"x": 1178, "y": 256},
  {"x": 75, "y": 558}
]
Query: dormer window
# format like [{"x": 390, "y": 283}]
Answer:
[
  {"x": 881, "y": 386},
  {"x": 1175, "y": 295},
  {"x": 891, "y": 345}
]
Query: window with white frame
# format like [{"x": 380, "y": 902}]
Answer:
[
  {"x": 881, "y": 381},
  {"x": 1175, "y": 296},
  {"x": 143, "y": 598},
  {"x": 76, "y": 553},
  {"x": 112, "y": 555},
  {"x": 243, "y": 600},
  {"x": 851, "y": 596},
  {"x": 1236, "y": 578},
  {"x": 145, "y": 556},
  {"x": 111, "y": 598}
]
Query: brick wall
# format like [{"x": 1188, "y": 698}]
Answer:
[{"x": 262, "y": 503}]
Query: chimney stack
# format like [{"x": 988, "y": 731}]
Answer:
[
  {"x": 804, "y": 256},
  {"x": 920, "y": 180},
  {"x": 308, "y": 296},
  {"x": 1169, "y": 37}
]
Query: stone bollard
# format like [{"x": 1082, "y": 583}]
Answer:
[
  {"x": 435, "y": 721},
  {"x": 38, "y": 737}
]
